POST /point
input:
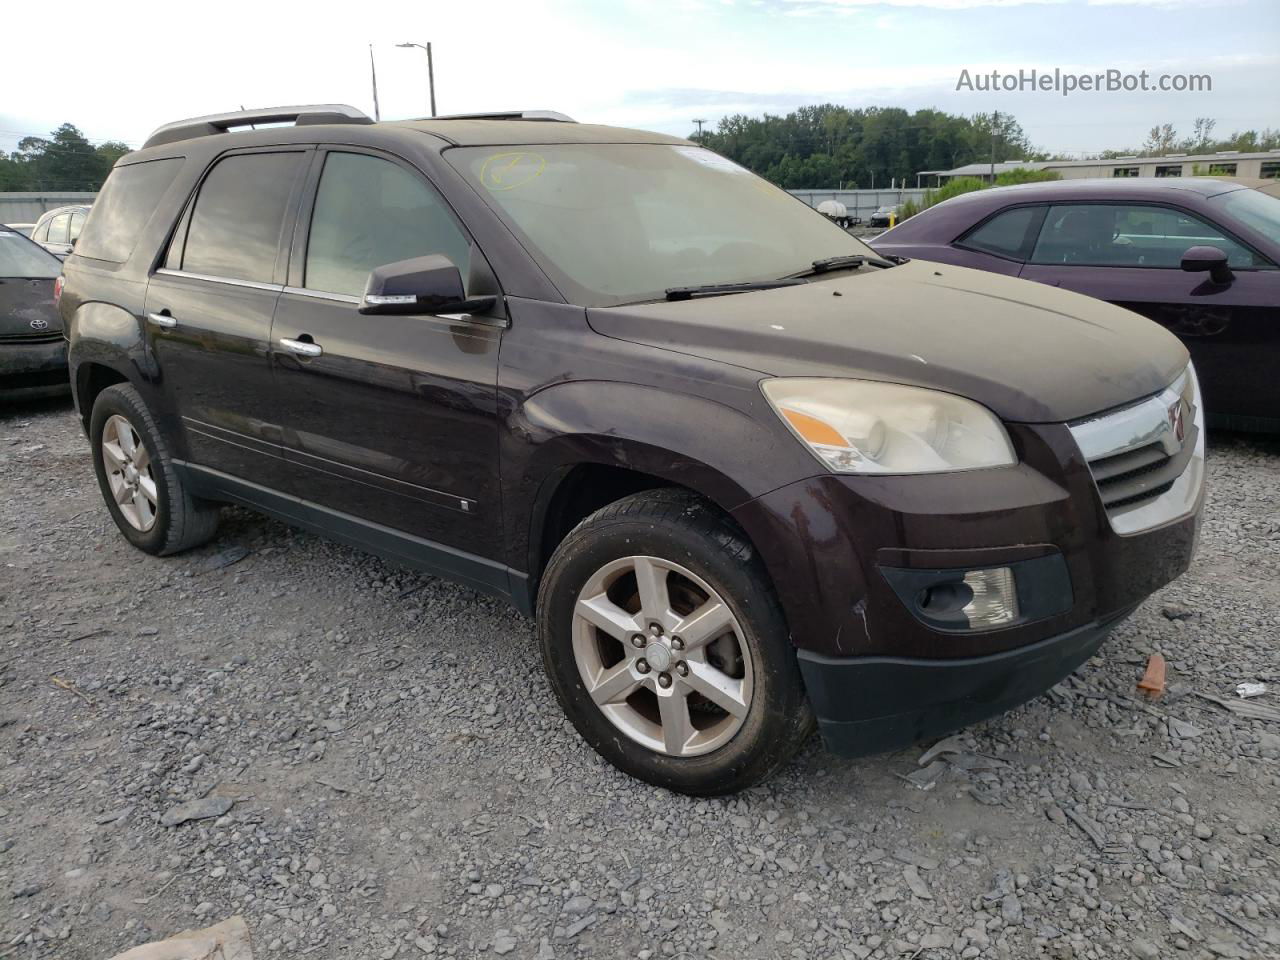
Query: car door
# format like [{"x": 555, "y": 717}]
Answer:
[
  {"x": 390, "y": 422},
  {"x": 209, "y": 311},
  {"x": 1129, "y": 254}
]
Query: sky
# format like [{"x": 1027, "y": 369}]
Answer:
[{"x": 125, "y": 67}]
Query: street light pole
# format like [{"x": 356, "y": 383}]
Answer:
[{"x": 431, "y": 74}]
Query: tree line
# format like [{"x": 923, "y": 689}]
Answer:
[
  {"x": 65, "y": 160},
  {"x": 830, "y": 146},
  {"x": 834, "y": 146}
]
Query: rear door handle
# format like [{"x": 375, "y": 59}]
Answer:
[
  {"x": 162, "y": 320},
  {"x": 301, "y": 348}
]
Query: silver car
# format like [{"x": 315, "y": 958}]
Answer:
[{"x": 58, "y": 229}]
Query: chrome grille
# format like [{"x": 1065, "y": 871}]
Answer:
[{"x": 1147, "y": 459}]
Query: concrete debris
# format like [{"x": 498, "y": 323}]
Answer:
[
  {"x": 202, "y": 809},
  {"x": 228, "y": 940}
]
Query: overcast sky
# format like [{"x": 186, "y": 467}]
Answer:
[{"x": 119, "y": 68}]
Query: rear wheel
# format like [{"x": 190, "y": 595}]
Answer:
[
  {"x": 667, "y": 649},
  {"x": 144, "y": 494}
]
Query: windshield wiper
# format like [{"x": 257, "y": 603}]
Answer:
[
  {"x": 848, "y": 262},
  {"x": 721, "y": 289}
]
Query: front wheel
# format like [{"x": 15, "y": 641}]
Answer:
[{"x": 666, "y": 647}]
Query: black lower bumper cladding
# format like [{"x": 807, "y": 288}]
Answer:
[{"x": 869, "y": 705}]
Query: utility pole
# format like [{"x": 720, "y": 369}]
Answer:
[
  {"x": 699, "y": 123},
  {"x": 431, "y": 73},
  {"x": 995, "y": 121},
  {"x": 373, "y": 74}
]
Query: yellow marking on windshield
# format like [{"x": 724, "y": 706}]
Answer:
[{"x": 506, "y": 171}]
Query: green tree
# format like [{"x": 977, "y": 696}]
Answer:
[
  {"x": 65, "y": 160},
  {"x": 828, "y": 145}
]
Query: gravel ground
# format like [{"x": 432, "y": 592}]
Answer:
[{"x": 382, "y": 771}]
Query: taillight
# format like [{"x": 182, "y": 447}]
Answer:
[{"x": 57, "y": 289}]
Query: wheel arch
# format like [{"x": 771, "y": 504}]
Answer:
[
  {"x": 627, "y": 443},
  {"x": 106, "y": 346}
]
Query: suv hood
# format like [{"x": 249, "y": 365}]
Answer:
[{"x": 1027, "y": 351}]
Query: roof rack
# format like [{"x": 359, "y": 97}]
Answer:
[
  {"x": 222, "y": 122},
  {"x": 554, "y": 115}
]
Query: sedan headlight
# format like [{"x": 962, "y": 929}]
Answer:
[{"x": 861, "y": 426}]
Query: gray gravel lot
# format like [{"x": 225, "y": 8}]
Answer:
[{"x": 382, "y": 771}]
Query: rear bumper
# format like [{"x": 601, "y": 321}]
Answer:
[
  {"x": 33, "y": 369},
  {"x": 869, "y": 705}
]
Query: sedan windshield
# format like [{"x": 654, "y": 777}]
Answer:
[
  {"x": 19, "y": 257},
  {"x": 1259, "y": 211},
  {"x": 618, "y": 223}
]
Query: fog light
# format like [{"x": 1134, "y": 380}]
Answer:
[{"x": 995, "y": 597}]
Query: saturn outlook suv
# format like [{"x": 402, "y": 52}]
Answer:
[{"x": 747, "y": 475}]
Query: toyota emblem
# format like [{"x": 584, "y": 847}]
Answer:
[
  {"x": 1176, "y": 421},
  {"x": 39, "y": 324}
]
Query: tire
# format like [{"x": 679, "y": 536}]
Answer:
[
  {"x": 171, "y": 519},
  {"x": 701, "y": 558}
]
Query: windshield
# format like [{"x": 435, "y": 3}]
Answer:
[
  {"x": 617, "y": 223},
  {"x": 19, "y": 257},
  {"x": 1258, "y": 211}
]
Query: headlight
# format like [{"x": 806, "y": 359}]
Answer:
[{"x": 861, "y": 426}]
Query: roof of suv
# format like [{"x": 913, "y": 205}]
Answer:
[
  {"x": 487, "y": 133},
  {"x": 340, "y": 123}
]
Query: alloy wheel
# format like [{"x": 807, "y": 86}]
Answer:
[
  {"x": 662, "y": 655},
  {"x": 129, "y": 476}
]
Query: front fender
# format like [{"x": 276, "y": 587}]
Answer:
[{"x": 729, "y": 452}]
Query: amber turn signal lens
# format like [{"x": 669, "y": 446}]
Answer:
[{"x": 814, "y": 430}]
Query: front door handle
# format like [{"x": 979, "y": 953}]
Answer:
[
  {"x": 162, "y": 320},
  {"x": 301, "y": 348}
]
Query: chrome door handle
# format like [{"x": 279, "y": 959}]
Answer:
[
  {"x": 301, "y": 348},
  {"x": 162, "y": 320}
]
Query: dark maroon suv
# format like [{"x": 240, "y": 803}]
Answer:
[{"x": 745, "y": 472}]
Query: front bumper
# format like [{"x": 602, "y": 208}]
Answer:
[
  {"x": 841, "y": 548},
  {"x": 33, "y": 369},
  {"x": 873, "y": 704}
]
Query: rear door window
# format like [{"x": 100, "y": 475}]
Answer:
[
  {"x": 370, "y": 212},
  {"x": 77, "y": 225},
  {"x": 123, "y": 208},
  {"x": 60, "y": 229},
  {"x": 1005, "y": 234},
  {"x": 1130, "y": 235},
  {"x": 239, "y": 216}
]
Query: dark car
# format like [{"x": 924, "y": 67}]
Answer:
[
  {"x": 33, "y": 353},
  {"x": 744, "y": 471},
  {"x": 884, "y": 216},
  {"x": 58, "y": 229},
  {"x": 1197, "y": 255}
]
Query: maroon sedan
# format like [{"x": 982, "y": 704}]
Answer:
[{"x": 1199, "y": 256}]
